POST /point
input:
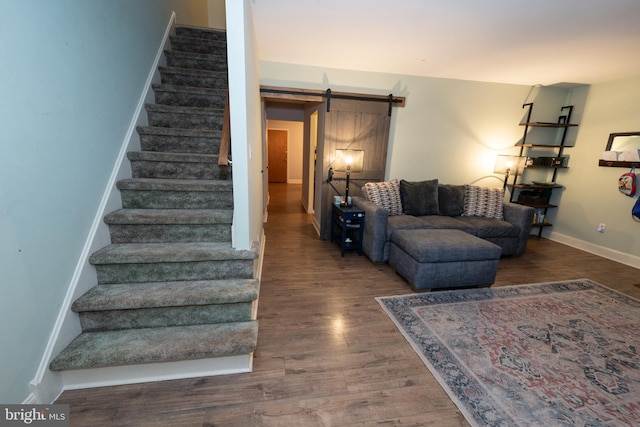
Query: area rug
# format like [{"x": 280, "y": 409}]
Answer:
[{"x": 548, "y": 354}]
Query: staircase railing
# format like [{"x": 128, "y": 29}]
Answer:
[{"x": 225, "y": 138}]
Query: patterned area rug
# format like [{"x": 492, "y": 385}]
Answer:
[{"x": 550, "y": 354}]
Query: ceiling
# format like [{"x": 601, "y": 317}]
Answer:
[{"x": 505, "y": 41}]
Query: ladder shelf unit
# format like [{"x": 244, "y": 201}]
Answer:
[{"x": 537, "y": 194}]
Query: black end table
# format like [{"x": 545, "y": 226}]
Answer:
[{"x": 347, "y": 227}]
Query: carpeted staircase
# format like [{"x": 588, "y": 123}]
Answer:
[{"x": 170, "y": 286}]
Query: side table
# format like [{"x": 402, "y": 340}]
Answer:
[{"x": 347, "y": 227}]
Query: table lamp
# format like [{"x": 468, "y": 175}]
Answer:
[{"x": 348, "y": 161}]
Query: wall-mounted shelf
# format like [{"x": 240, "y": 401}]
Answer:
[
  {"x": 618, "y": 164},
  {"x": 522, "y": 144},
  {"x": 546, "y": 167},
  {"x": 536, "y": 186},
  {"x": 548, "y": 124},
  {"x": 620, "y": 142}
]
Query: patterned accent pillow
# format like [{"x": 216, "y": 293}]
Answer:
[
  {"x": 385, "y": 194},
  {"x": 482, "y": 201}
]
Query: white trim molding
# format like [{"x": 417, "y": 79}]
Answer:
[
  {"x": 75, "y": 379},
  {"x": 612, "y": 254}
]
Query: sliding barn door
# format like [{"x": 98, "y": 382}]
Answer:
[{"x": 356, "y": 125}]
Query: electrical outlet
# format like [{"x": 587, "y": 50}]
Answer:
[{"x": 602, "y": 227}]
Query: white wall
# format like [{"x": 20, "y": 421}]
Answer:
[
  {"x": 592, "y": 196},
  {"x": 191, "y": 12},
  {"x": 72, "y": 76},
  {"x": 246, "y": 125},
  {"x": 217, "y": 14},
  {"x": 453, "y": 129}
]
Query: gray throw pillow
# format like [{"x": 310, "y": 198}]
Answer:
[
  {"x": 451, "y": 199},
  {"x": 419, "y": 198}
]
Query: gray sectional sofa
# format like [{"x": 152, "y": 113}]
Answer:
[{"x": 430, "y": 205}]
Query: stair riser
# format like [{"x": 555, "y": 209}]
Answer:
[
  {"x": 206, "y": 80},
  {"x": 141, "y": 199},
  {"x": 178, "y": 170},
  {"x": 195, "y": 62},
  {"x": 156, "y": 272},
  {"x": 190, "y": 99},
  {"x": 177, "y": 144},
  {"x": 167, "y": 233},
  {"x": 212, "y": 120},
  {"x": 199, "y": 34},
  {"x": 209, "y": 46},
  {"x": 95, "y": 321}
]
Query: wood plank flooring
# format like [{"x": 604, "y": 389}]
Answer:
[{"x": 327, "y": 354}]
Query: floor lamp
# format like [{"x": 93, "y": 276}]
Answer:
[{"x": 507, "y": 166}]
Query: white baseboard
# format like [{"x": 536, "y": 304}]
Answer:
[
  {"x": 308, "y": 209},
  {"x": 47, "y": 385},
  {"x": 316, "y": 225},
  {"x": 612, "y": 254},
  {"x": 152, "y": 372},
  {"x": 257, "y": 273},
  {"x": 30, "y": 400}
]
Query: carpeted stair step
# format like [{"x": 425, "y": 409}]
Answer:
[
  {"x": 149, "y": 345},
  {"x": 170, "y": 225},
  {"x": 149, "y": 193},
  {"x": 158, "y": 262},
  {"x": 198, "y": 45},
  {"x": 199, "y": 61},
  {"x": 152, "y": 305},
  {"x": 194, "y": 77},
  {"x": 151, "y": 164},
  {"x": 190, "y": 96},
  {"x": 172, "y": 116},
  {"x": 201, "y": 33},
  {"x": 172, "y": 140}
]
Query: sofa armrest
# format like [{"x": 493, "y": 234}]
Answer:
[
  {"x": 375, "y": 228},
  {"x": 522, "y": 216}
]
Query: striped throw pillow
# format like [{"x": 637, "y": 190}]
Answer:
[
  {"x": 385, "y": 194},
  {"x": 482, "y": 201}
]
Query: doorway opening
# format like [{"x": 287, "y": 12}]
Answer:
[
  {"x": 333, "y": 122},
  {"x": 291, "y": 140}
]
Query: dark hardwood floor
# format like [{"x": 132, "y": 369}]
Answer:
[{"x": 327, "y": 354}]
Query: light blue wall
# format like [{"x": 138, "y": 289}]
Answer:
[
  {"x": 449, "y": 129},
  {"x": 453, "y": 129},
  {"x": 71, "y": 75},
  {"x": 592, "y": 195}
]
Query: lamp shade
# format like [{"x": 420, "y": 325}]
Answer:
[
  {"x": 509, "y": 165},
  {"x": 351, "y": 160}
]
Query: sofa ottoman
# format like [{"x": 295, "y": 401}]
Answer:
[{"x": 435, "y": 259}]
